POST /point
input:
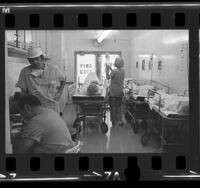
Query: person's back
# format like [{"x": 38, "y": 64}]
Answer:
[
  {"x": 117, "y": 80},
  {"x": 50, "y": 132},
  {"x": 116, "y": 90}
]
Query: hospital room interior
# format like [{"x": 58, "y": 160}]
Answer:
[{"x": 154, "y": 103}]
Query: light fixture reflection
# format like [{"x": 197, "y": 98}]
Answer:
[
  {"x": 103, "y": 35},
  {"x": 147, "y": 55},
  {"x": 174, "y": 40}
]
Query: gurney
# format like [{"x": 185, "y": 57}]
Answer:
[
  {"x": 92, "y": 107},
  {"x": 136, "y": 107},
  {"x": 161, "y": 120}
]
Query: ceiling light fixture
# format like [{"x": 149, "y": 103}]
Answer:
[{"x": 103, "y": 35}]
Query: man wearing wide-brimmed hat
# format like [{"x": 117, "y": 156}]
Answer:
[{"x": 42, "y": 79}]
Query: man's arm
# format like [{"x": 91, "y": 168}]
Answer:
[
  {"x": 62, "y": 85},
  {"x": 62, "y": 78},
  {"x": 21, "y": 83},
  {"x": 60, "y": 91},
  {"x": 22, "y": 145}
]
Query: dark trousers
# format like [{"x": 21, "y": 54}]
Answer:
[{"x": 115, "y": 108}]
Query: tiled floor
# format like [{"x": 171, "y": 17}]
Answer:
[
  {"x": 120, "y": 140},
  {"x": 117, "y": 140}
]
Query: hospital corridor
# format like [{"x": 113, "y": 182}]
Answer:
[
  {"x": 122, "y": 140},
  {"x": 96, "y": 91}
]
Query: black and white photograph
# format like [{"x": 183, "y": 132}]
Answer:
[{"x": 88, "y": 91}]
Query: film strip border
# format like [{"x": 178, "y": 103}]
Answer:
[
  {"x": 93, "y": 19},
  {"x": 110, "y": 167}
]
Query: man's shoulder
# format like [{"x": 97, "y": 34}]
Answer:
[
  {"x": 46, "y": 112},
  {"x": 26, "y": 69}
]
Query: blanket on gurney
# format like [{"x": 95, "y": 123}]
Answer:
[
  {"x": 82, "y": 96},
  {"x": 171, "y": 105}
]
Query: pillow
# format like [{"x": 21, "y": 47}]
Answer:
[
  {"x": 145, "y": 87},
  {"x": 172, "y": 107},
  {"x": 171, "y": 103},
  {"x": 183, "y": 107}
]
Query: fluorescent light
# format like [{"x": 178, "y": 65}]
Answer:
[
  {"x": 168, "y": 56},
  {"x": 147, "y": 55},
  {"x": 103, "y": 35},
  {"x": 183, "y": 38},
  {"x": 144, "y": 55}
]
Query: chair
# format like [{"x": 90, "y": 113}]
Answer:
[{"x": 75, "y": 149}]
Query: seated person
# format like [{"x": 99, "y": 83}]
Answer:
[{"x": 44, "y": 132}]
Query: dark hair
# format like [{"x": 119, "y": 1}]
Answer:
[{"x": 31, "y": 100}]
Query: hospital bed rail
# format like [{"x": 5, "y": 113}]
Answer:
[{"x": 155, "y": 110}]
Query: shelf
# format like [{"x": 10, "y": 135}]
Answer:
[
  {"x": 20, "y": 53},
  {"x": 17, "y": 52}
]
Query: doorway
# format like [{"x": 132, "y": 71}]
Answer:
[{"x": 93, "y": 61}]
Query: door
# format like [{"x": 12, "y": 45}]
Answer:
[
  {"x": 94, "y": 61},
  {"x": 86, "y": 63},
  {"x": 110, "y": 61}
]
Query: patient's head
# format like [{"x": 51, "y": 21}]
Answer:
[{"x": 92, "y": 88}]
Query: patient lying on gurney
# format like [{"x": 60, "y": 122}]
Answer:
[
  {"x": 139, "y": 90},
  {"x": 91, "y": 85},
  {"x": 172, "y": 103}
]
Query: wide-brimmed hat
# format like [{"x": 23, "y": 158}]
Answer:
[{"x": 34, "y": 52}]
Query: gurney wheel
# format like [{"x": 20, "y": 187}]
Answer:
[
  {"x": 145, "y": 138},
  {"x": 104, "y": 128},
  {"x": 135, "y": 127},
  {"x": 128, "y": 117}
]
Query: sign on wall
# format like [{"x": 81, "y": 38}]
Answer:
[{"x": 85, "y": 65}]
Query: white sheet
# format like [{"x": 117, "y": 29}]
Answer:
[
  {"x": 142, "y": 90},
  {"x": 170, "y": 103}
]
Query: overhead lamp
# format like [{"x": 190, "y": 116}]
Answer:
[
  {"x": 168, "y": 56},
  {"x": 103, "y": 35},
  {"x": 174, "y": 40},
  {"x": 147, "y": 55}
]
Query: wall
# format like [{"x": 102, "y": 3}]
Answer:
[
  {"x": 60, "y": 47},
  {"x": 166, "y": 45},
  {"x": 8, "y": 146},
  {"x": 14, "y": 66}
]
